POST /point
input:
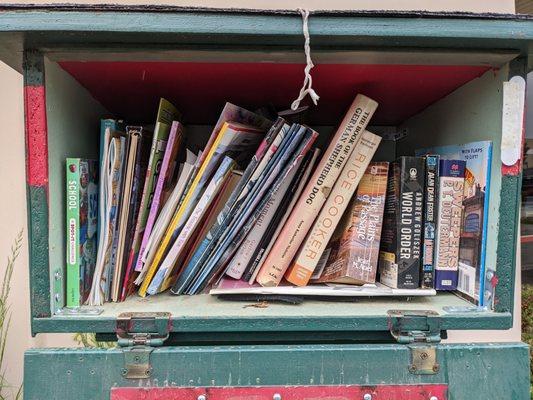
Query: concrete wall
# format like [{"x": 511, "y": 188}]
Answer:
[{"x": 13, "y": 209}]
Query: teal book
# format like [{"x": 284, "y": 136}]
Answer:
[{"x": 81, "y": 227}]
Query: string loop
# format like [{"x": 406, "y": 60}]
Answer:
[{"x": 307, "y": 87}]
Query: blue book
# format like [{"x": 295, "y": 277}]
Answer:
[{"x": 473, "y": 240}]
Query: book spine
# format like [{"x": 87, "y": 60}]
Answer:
[
  {"x": 229, "y": 248},
  {"x": 400, "y": 260},
  {"x": 174, "y": 139},
  {"x": 201, "y": 255},
  {"x": 354, "y": 256},
  {"x": 172, "y": 258},
  {"x": 307, "y": 258},
  {"x": 246, "y": 250},
  {"x": 165, "y": 115},
  {"x": 430, "y": 225},
  {"x": 282, "y": 213},
  {"x": 451, "y": 193},
  {"x": 315, "y": 194},
  {"x": 73, "y": 231}
]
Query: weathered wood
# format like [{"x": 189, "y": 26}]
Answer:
[{"x": 473, "y": 372}]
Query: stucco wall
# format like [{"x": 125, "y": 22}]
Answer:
[{"x": 13, "y": 203}]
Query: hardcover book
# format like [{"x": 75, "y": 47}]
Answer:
[
  {"x": 316, "y": 192},
  {"x": 82, "y": 224},
  {"x": 451, "y": 192},
  {"x": 430, "y": 219},
  {"x": 318, "y": 237},
  {"x": 474, "y": 229},
  {"x": 354, "y": 255},
  {"x": 401, "y": 239}
]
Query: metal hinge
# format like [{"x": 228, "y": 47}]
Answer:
[
  {"x": 138, "y": 334},
  {"x": 421, "y": 331}
]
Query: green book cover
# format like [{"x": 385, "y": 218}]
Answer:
[{"x": 81, "y": 227}]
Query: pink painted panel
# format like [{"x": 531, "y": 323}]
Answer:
[
  {"x": 348, "y": 392},
  {"x": 36, "y": 136}
]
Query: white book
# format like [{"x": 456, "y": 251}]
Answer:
[
  {"x": 166, "y": 267},
  {"x": 111, "y": 161}
]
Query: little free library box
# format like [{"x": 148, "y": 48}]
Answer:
[{"x": 438, "y": 79}]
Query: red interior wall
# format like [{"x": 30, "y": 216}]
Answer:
[{"x": 131, "y": 89}]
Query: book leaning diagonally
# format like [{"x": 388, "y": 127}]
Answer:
[
  {"x": 314, "y": 245},
  {"x": 316, "y": 191}
]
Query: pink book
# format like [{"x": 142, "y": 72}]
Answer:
[{"x": 166, "y": 172}]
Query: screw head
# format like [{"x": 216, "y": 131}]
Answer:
[
  {"x": 276, "y": 396},
  {"x": 433, "y": 398},
  {"x": 202, "y": 397},
  {"x": 367, "y": 396},
  {"x": 436, "y": 368},
  {"x": 424, "y": 356},
  {"x": 412, "y": 368}
]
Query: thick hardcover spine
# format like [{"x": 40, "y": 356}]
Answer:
[
  {"x": 316, "y": 192},
  {"x": 451, "y": 193},
  {"x": 307, "y": 258},
  {"x": 430, "y": 221},
  {"x": 73, "y": 231}
]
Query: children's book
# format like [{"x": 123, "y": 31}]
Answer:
[{"x": 81, "y": 228}]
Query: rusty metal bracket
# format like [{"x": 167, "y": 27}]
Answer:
[{"x": 138, "y": 334}]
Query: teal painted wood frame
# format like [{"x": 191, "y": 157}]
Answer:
[
  {"x": 474, "y": 372},
  {"x": 48, "y": 29},
  {"x": 123, "y": 27},
  {"x": 37, "y": 183}
]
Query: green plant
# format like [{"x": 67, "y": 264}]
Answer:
[
  {"x": 5, "y": 316},
  {"x": 527, "y": 321},
  {"x": 89, "y": 340}
]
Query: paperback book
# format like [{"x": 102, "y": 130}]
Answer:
[
  {"x": 318, "y": 237},
  {"x": 353, "y": 251},
  {"x": 473, "y": 242},
  {"x": 430, "y": 221},
  {"x": 451, "y": 193},
  {"x": 401, "y": 239},
  {"x": 81, "y": 228}
]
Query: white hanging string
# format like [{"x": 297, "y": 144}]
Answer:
[{"x": 307, "y": 88}]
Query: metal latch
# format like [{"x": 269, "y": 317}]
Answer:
[
  {"x": 419, "y": 329},
  {"x": 138, "y": 334}
]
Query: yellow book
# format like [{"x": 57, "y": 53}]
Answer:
[{"x": 177, "y": 217}]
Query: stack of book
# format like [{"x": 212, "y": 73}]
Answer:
[{"x": 260, "y": 206}]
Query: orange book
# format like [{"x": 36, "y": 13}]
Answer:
[
  {"x": 317, "y": 190},
  {"x": 312, "y": 248}
]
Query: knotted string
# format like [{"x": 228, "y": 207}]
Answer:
[{"x": 308, "y": 80}]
